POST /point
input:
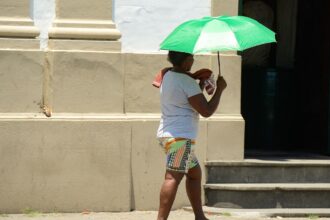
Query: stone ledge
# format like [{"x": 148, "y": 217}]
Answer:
[
  {"x": 91, "y": 116},
  {"x": 258, "y": 213},
  {"x": 83, "y": 23},
  {"x": 19, "y": 31},
  {"x": 84, "y": 33},
  {"x": 16, "y": 21},
  {"x": 270, "y": 186},
  {"x": 262, "y": 163},
  {"x": 84, "y": 45}
]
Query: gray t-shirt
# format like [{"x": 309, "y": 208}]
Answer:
[{"x": 178, "y": 119}]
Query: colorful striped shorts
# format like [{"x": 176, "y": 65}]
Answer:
[{"x": 180, "y": 156}]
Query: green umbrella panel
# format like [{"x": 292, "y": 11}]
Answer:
[
  {"x": 211, "y": 34},
  {"x": 214, "y": 34}
]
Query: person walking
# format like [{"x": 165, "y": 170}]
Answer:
[{"x": 182, "y": 101}]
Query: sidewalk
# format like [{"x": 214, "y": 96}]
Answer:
[{"x": 135, "y": 215}]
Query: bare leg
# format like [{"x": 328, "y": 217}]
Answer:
[
  {"x": 168, "y": 192},
  {"x": 193, "y": 187}
]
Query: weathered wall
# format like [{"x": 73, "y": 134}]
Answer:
[
  {"x": 98, "y": 149},
  {"x": 101, "y": 136}
]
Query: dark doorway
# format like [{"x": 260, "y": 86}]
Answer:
[{"x": 285, "y": 98}]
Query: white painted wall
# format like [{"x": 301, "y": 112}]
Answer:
[
  {"x": 43, "y": 13},
  {"x": 143, "y": 23}
]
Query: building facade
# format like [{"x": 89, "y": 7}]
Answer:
[{"x": 78, "y": 117}]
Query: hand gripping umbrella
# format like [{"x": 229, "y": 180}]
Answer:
[{"x": 216, "y": 34}]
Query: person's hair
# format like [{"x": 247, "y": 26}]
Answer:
[{"x": 177, "y": 58}]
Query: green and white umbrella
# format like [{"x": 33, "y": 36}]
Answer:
[{"x": 214, "y": 34}]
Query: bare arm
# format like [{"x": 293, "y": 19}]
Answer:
[{"x": 202, "y": 106}]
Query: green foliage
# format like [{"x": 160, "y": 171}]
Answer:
[
  {"x": 30, "y": 212},
  {"x": 226, "y": 214},
  {"x": 311, "y": 216},
  {"x": 3, "y": 215}
]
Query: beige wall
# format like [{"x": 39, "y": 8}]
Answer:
[
  {"x": 84, "y": 19},
  {"x": 87, "y": 82},
  {"x": 21, "y": 80},
  {"x": 64, "y": 165},
  {"x": 68, "y": 165},
  {"x": 87, "y": 9},
  {"x": 15, "y": 20},
  {"x": 148, "y": 165},
  {"x": 224, "y": 7},
  {"x": 10, "y": 8},
  {"x": 98, "y": 150},
  {"x": 101, "y": 136},
  {"x": 140, "y": 69},
  {"x": 109, "y": 82}
]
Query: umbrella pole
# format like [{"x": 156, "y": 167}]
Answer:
[{"x": 219, "y": 64}]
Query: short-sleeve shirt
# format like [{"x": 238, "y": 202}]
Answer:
[{"x": 179, "y": 119}]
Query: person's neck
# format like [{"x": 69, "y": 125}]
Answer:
[{"x": 179, "y": 70}]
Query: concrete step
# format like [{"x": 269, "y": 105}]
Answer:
[
  {"x": 268, "y": 195},
  {"x": 269, "y": 171},
  {"x": 266, "y": 213}
]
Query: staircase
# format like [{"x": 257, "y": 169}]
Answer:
[{"x": 268, "y": 183}]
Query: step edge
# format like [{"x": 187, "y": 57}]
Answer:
[
  {"x": 313, "y": 163},
  {"x": 269, "y": 187},
  {"x": 267, "y": 212}
]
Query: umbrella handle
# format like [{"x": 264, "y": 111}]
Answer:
[{"x": 219, "y": 64}]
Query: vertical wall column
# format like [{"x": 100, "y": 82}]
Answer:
[
  {"x": 225, "y": 130},
  {"x": 15, "y": 20},
  {"x": 16, "y": 25},
  {"x": 224, "y": 7},
  {"x": 79, "y": 20}
]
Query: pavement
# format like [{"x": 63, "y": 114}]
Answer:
[{"x": 141, "y": 215}]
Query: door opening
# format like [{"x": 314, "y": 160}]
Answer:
[{"x": 285, "y": 86}]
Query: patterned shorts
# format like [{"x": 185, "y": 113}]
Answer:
[{"x": 180, "y": 156}]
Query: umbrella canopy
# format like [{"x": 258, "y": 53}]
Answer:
[{"x": 214, "y": 34}]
